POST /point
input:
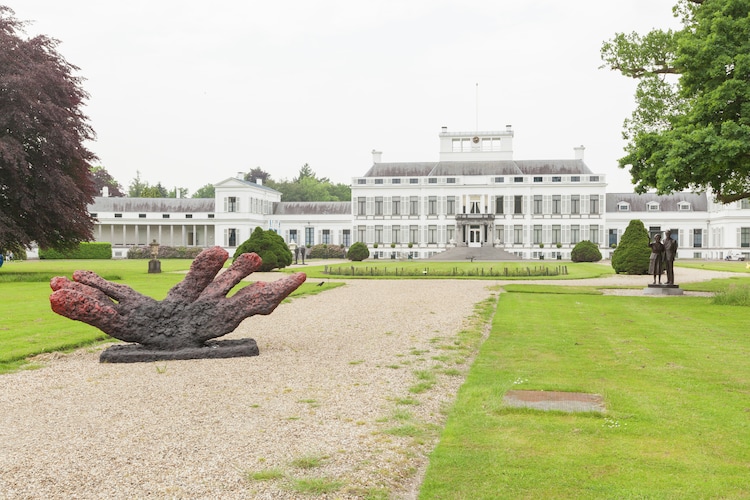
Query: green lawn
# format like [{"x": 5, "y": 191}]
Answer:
[
  {"x": 674, "y": 374},
  {"x": 715, "y": 265},
  {"x": 28, "y": 326}
]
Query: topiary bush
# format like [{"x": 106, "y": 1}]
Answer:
[
  {"x": 271, "y": 248},
  {"x": 324, "y": 251},
  {"x": 85, "y": 250},
  {"x": 358, "y": 252},
  {"x": 585, "y": 251},
  {"x": 632, "y": 253}
]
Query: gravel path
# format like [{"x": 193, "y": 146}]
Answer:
[
  {"x": 326, "y": 386},
  {"x": 331, "y": 381}
]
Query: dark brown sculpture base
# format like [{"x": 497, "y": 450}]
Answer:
[
  {"x": 662, "y": 289},
  {"x": 214, "y": 349}
]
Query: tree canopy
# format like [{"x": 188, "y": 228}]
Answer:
[
  {"x": 45, "y": 181},
  {"x": 306, "y": 186},
  {"x": 632, "y": 254},
  {"x": 102, "y": 179},
  {"x": 142, "y": 189},
  {"x": 691, "y": 125}
]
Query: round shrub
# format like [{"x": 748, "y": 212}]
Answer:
[
  {"x": 358, "y": 252},
  {"x": 269, "y": 246},
  {"x": 585, "y": 251},
  {"x": 632, "y": 253}
]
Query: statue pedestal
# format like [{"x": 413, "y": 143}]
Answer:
[
  {"x": 154, "y": 266},
  {"x": 213, "y": 349},
  {"x": 662, "y": 290}
]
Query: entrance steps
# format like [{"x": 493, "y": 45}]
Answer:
[{"x": 485, "y": 253}]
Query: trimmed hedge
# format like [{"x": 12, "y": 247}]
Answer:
[
  {"x": 324, "y": 251},
  {"x": 358, "y": 252},
  {"x": 585, "y": 251},
  {"x": 85, "y": 250},
  {"x": 271, "y": 248},
  {"x": 632, "y": 253},
  {"x": 165, "y": 252}
]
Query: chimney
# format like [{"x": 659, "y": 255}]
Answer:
[
  {"x": 579, "y": 152},
  {"x": 241, "y": 176},
  {"x": 105, "y": 191},
  {"x": 377, "y": 156},
  {"x": 259, "y": 181},
  {"x": 445, "y": 129},
  {"x": 509, "y": 128}
]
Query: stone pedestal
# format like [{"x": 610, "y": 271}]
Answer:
[
  {"x": 154, "y": 266},
  {"x": 662, "y": 290}
]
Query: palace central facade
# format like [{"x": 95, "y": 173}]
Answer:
[{"x": 475, "y": 195}]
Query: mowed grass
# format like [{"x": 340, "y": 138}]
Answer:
[
  {"x": 675, "y": 377},
  {"x": 28, "y": 326}
]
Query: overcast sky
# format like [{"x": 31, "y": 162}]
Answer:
[{"x": 190, "y": 93}]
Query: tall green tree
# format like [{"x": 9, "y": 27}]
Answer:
[
  {"x": 139, "y": 188},
  {"x": 207, "y": 191},
  {"x": 307, "y": 186},
  {"x": 632, "y": 254},
  {"x": 691, "y": 125},
  {"x": 45, "y": 179}
]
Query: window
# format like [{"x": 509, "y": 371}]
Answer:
[
  {"x": 451, "y": 205},
  {"x": 378, "y": 181},
  {"x": 594, "y": 234},
  {"x": 450, "y": 234},
  {"x": 361, "y": 205},
  {"x": 556, "y": 178},
  {"x": 188, "y": 216},
  {"x": 623, "y": 206},
  {"x": 537, "y": 179},
  {"x": 94, "y": 215},
  {"x": 537, "y": 204},
  {"x": 697, "y": 238},
  {"x": 745, "y": 237},
  {"x": 518, "y": 204},
  {"x": 556, "y": 204},
  {"x": 594, "y": 204},
  {"x": 517, "y": 179},
  {"x": 594, "y": 178},
  {"x": 361, "y": 181},
  {"x": 575, "y": 178},
  {"x": 326, "y": 237},
  {"x": 396, "y": 234},
  {"x": 141, "y": 216},
  {"x": 395, "y": 181},
  {"x": 556, "y": 234},
  {"x": 653, "y": 231},
  {"x": 575, "y": 204},
  {"x": 683, "y": 206},
  {"x": 378, "y": 234},
  {"x": 517, "y": 235},
  {"x": 537, "y": 234},
  {"x": 230, "y": 237},
  {"x": 745, "y": 203},
  {"x": 165, "y": 216},
  {"x": 361, "y": 233},
  {"x": 378, "y": 205},
  {"x": 474, "y": 209},
  {"x": 414, "y": 234},
  {"x": 575, "y": 234},
  {"x": 450, "y": 180},
  {"x": 432, "y": 205},
  {"x": 413, "y": 205},
  {"x": 293, "y": 235},
  {"x": 499, "y": 201},
  {"x": 309, "y": 235},
  {"x": 499, "y": 235},
  {"x": 118, "y": 216},
  {"x": 231, "y": 204},
  {"x": 396, "y": 206},
  {"x": 612, "y": 237},
  {"x": 210, "y": 216},
  {"x": 432, "y": 180},
  {"x": 499, "y": 180},
  {"x": 652, "y": 206},
  {"x": 431, "y": 234},
  {"x": 413, "y": 181},
  {"x": 347, "y": 238}
]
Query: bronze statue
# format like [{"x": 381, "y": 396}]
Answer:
[
  {"x": 655, "y": 263},
  {"x": 670, "y": 252}
]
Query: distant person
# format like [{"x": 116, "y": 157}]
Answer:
[
  {"x": 670, "y": 253},
  {"x": 656, "y": 261}
]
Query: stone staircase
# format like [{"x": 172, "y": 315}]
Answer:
[{"x": 484, "y": 253}]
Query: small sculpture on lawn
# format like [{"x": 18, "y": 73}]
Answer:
[{"x": 181, "y": 326}]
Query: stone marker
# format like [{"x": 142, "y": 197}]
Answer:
[{"x": 181, "y": 326}]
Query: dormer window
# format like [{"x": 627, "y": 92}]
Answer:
[
  {"x": 683, "y": 206},
  {"x": 623, "y": 206},
  {"x": 652, "y": 206}
]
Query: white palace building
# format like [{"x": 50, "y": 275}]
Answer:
[{"x": 475, "y": 195}]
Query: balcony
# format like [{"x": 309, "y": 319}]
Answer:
[{"x": 475, "y": 217}]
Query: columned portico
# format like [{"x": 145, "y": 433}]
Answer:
[{"x": 475, "y": 230}]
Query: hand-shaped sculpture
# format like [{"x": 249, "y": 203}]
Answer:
[{"x": 194, "y": 311}]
